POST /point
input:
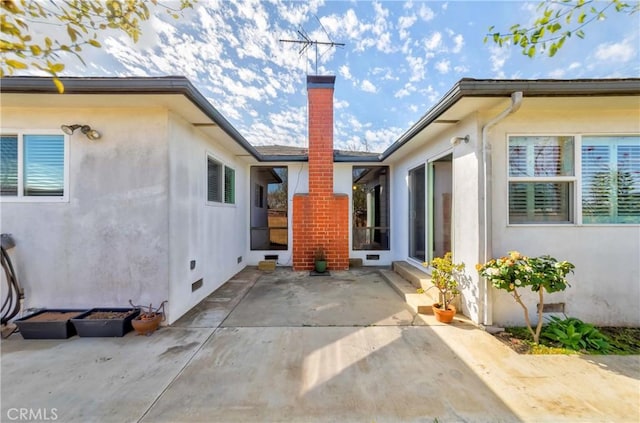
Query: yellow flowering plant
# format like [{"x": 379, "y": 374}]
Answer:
[
  {"x": 540, "y": 274},
  {"x": 443, "y": 278}
]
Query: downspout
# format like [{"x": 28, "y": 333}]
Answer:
[{"x": 486, "y": 247}]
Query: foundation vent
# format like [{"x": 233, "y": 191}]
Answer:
[{"x": 196, "y": 285}]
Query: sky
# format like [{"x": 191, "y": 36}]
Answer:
[{"x": 399, "y": 59}]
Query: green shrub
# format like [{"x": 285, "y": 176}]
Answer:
[{"x": 574, "y": 334}]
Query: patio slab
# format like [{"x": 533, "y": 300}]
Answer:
[
  {"x": 301, "y": 349},
  {"x": 93, "y": 379},
  {"x": 357, "y": 297}
]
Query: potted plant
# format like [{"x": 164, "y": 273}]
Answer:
[
  {"x": 320, "y": 260},
  {"x": 443, "y": 278},
  {"x": 149, "y": 318}
]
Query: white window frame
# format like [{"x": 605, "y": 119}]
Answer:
[
  {"x": 21, "y": 198},
  {"x": 576, "y": 207},
  {"x": 211, "y": 156},
  {"x": 542, "y": 179},
  {"x": 578, "y": 148}
]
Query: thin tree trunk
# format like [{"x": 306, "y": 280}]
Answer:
[
  {"x": 526, "y": 314},
  {"x": 536, "y": 337}
]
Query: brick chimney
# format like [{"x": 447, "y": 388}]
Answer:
[{"x": 320, "y": 218}]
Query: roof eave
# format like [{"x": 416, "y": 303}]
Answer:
[
  {"x": 504, "y": 88},
  {"x": 158, "y": 85}
]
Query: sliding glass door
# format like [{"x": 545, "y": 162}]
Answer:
[{"x": 417, "y": 213}]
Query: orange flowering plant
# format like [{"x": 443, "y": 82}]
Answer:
[{"x": 540, "y": 274}]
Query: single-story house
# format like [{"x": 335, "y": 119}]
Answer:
[{"x": 138, "y": 188}]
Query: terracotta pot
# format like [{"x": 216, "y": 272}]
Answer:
[
  {"x": 444, "y": 316},
  {"x": 146, "y": 326}
]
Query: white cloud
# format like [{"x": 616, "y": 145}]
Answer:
[
  {"x": 384, "y": 43},
  {"x": 616, "y": 52},
  {"x": 345, "y": 72},
  {"x": 443, "y": 66},
  {"x": 387, "y": 74},
  {"x": 498, "y": 58},
  {"x": 379, "y": 139},
  {"x": 367, "y": 86},
  {"x": 406, "y": 22},
  {"x": 458, "y": 41},
  {"x": 418, "y": 67},
  {"x": 340, "y": 104},
  {"x": 433, "y": 41},
  {"x": 405, "y": 91},
  {"x": 557, "y": 73},
  {"x": 425, "y": 13}
]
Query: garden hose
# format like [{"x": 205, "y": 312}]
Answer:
[{"x": 11, "y": 304}]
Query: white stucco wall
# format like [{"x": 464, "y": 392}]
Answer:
[
  {"x": 109, "y": 243},
  {"x": 466, "y": 211},
  {"x": 465, "y": 238},
  {"x": 606, "y": 284},
  {"x": 212, "y": 234}
]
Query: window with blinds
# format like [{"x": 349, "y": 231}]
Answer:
[
  {"x": 229, "y": 185},
  {"x": 32, "y": 166},
  {"x": 9, "y": 165},
  {"x": 44, "y": 165},
  {"x": 221, "y": 182},
  {"x": 214, "y": 181},
  {"x": 611, "y": 180},
  {"x": 541, "y": 179}
]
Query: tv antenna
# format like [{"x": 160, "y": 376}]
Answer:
[{"x": 307, "y": 42}]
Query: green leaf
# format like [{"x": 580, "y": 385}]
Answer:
[
  {"x": 580, "y": 34},
  {"x": 582, "y": 17},
  {"x": 94, "y": 43}
]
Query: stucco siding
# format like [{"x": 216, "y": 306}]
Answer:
[
  {"x": 465, "y": 206},
  {"x": 109, "y": 242},
  {"x": 606, "y": 285},
  {"x": 212, "y": 234}
]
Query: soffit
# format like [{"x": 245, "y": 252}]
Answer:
[{"x": 175, "y": 103}]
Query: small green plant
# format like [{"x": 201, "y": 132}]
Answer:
[
  {"x": 540, "y": 274},
  {"x": 574, "y": 334},
  {"x": 443, "y": 278}
]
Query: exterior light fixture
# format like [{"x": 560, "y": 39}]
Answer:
[
  {"x": 92, "y": 134},
  {"x": 458, "y": 140}
]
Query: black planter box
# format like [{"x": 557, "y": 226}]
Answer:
[
  {"x": 32, "y": 328},
  {"x": 104, "y": 327}
]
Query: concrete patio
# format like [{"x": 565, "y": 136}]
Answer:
[{"x": 284, "y": 346}]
